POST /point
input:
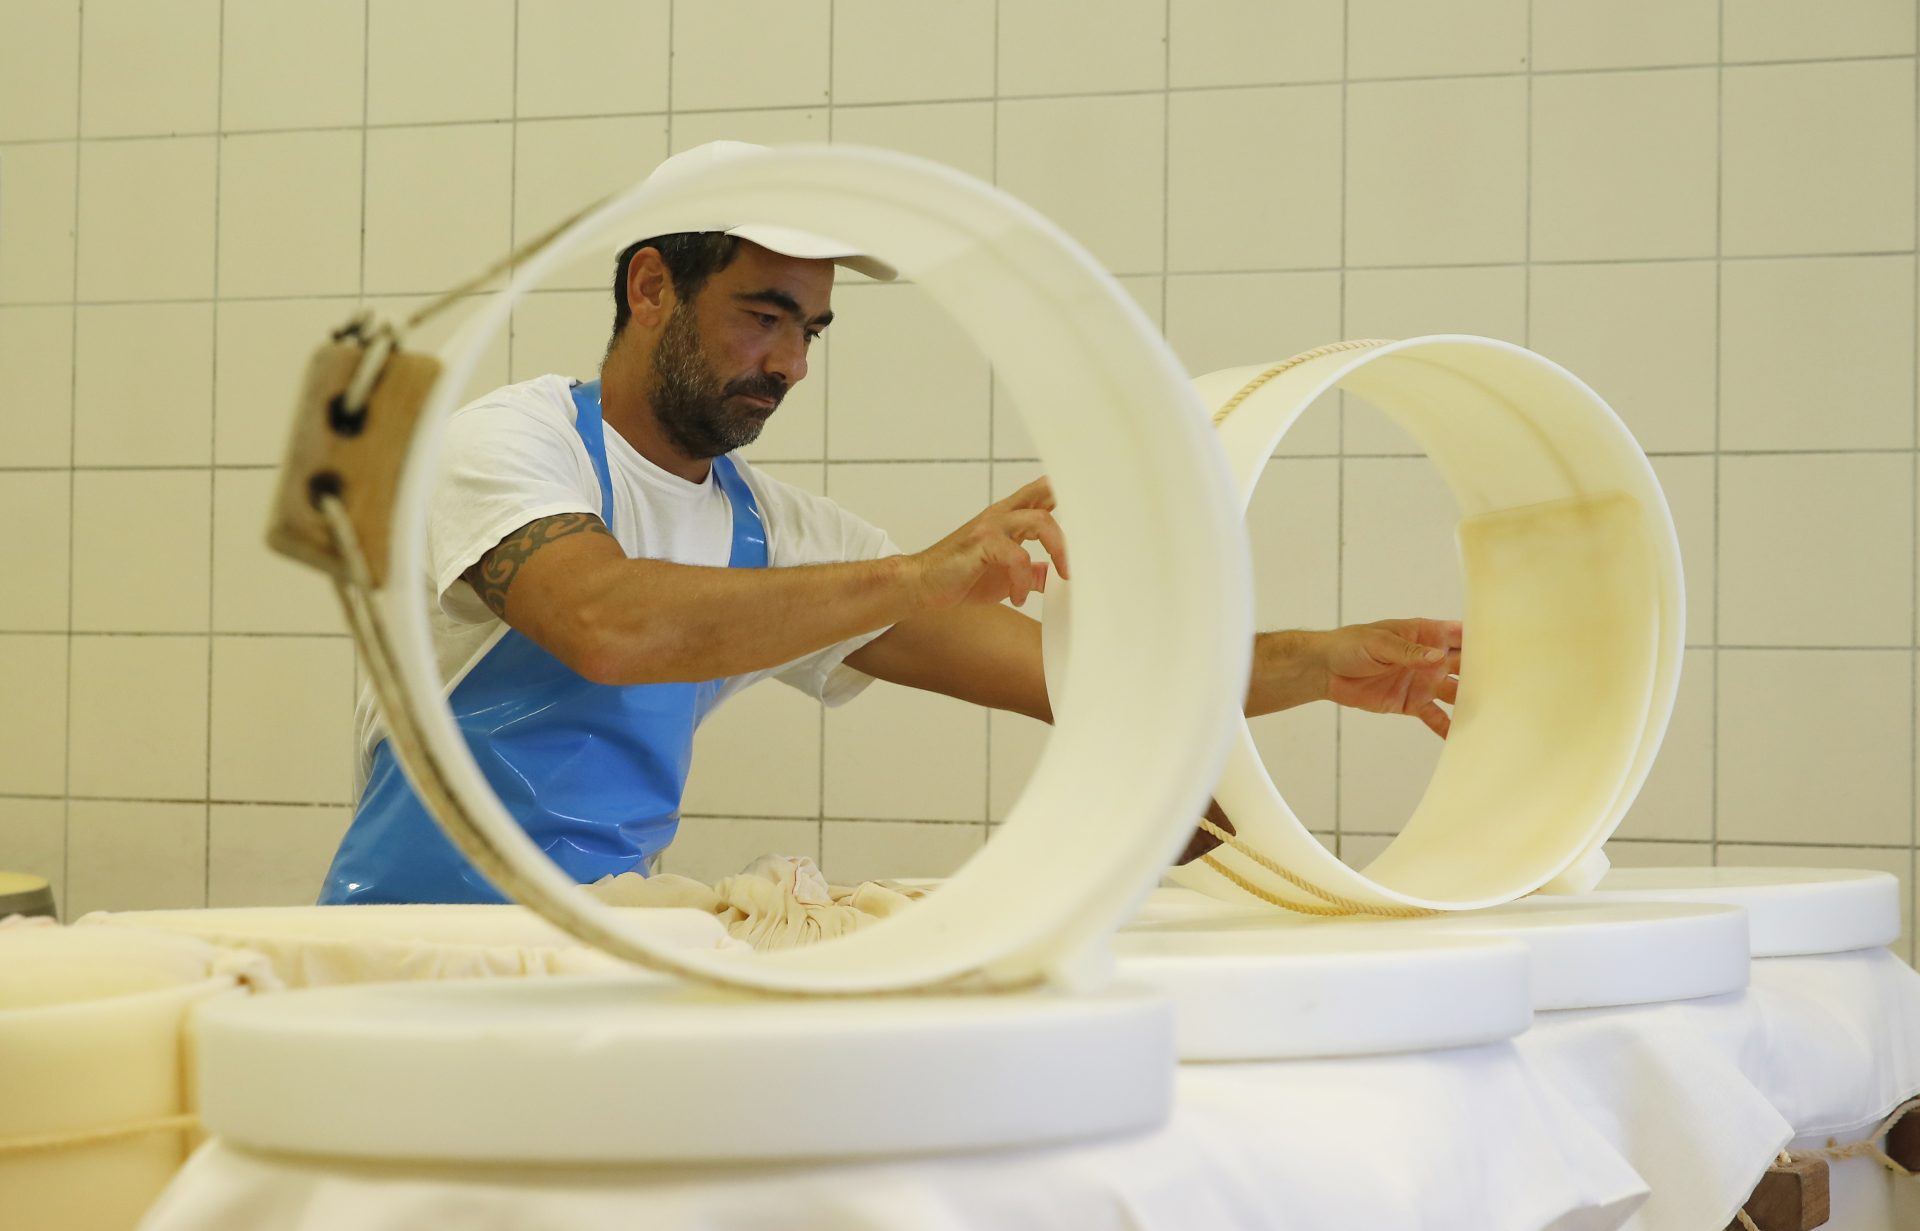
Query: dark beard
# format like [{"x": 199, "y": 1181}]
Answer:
[{"x": 692, "y": 404}]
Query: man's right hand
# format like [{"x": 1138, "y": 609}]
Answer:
[{"x": 985, "y": 561}]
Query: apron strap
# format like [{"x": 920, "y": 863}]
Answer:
[
  {"x": 587, "y": 421},
  {"x": 749, "y": 529}
]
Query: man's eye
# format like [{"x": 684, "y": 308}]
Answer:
[
  {"x": 813, "y": 336},
  {"x": 767, "y": 319}
]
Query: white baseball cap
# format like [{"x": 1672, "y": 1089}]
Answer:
[{"x": 787, "y": 241}]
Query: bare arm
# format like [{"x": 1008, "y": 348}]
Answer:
[
  {"x": 989, "y": 655},
  {"x": 565, "y": 582}
]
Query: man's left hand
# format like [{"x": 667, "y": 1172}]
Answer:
[{"x": 1395, "y": 667}]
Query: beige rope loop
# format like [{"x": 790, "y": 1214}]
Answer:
[
  {"x": 97, "y": 1136},
  {"x": 1865, "y": 1148},
  {"x": 1251, "y": 387},
  {"x": 1745, "y": 1222},
  {"x": 1868, "y": 1146},
  {"x": 1266, "y": 895},
  {"x": 1336, "y": 904}
]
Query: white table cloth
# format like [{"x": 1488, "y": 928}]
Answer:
[
  {"x": 1468, "y": 1140},
  {"x": 1657, "y": 1118}
]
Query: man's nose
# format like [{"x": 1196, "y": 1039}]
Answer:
[{"x": 788, "y": 358}]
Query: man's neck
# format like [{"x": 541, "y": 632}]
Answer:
[{"x": 624, "y": 407}]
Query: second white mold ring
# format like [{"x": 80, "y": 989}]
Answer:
[{"x": 1575, "y": 618}]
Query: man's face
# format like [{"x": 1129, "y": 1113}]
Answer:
[{"x": 726, "y": 358}]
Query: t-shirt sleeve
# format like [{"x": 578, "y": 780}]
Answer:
[
  {"x": 803, "y": 528},
  {"x": 502, "y": 466}
]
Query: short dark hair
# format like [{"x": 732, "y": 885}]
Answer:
[{"x": 691, "y": 257}]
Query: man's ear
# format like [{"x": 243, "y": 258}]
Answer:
[{"x": 650, "y": 295}]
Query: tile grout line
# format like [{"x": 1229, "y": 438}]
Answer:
[
  {"x": 1166, "y": 168},
  {"x": 344, "y": 636},
  {"x": 513, "y": 179},
  {"x": 826, "y": 479},
  {"x": 993, "y": 170},
  {"x": 1166, "y": 180},
  {"x": 323, "y": 635},
  {"x": 213, "y": 436},
  {"x": 958, "y": 100},
  {"x": 1166, "y": 156},
  {"x": 1719, "y": 243},
  {"x": 189, "y": 802},
  {"x": 993, "y": 445},
  {"x": 953, "y": 823},
  {"x": 1340, "y": 434},
  {"x": 73, "y": 447},
  {"x": 366, "y": 88},
  {"x": 771, "y": 460},
  {"x": 1589, "y": 262},
  {"x": 1526, "y": 220},
  {"x": 366, "y": 94}
]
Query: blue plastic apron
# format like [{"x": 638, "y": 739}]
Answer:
[{"x": 593, "y": 772}]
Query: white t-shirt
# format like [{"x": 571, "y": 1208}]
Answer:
[{"x": 514, "y": 456}]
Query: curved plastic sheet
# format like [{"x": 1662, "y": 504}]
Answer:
[
  {"x": 1159, "y": 553},
  {"x": 1575, "y": 619}
]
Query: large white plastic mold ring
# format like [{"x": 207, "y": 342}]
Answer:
[
  {"x": 1575, "y": 621},
  {"x": 1159, "y": 552}
]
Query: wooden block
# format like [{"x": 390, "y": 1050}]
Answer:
[
  {"x": 1201, "y": 842},
  {"x": 1790, "y": 1197},
  {"x": 1903, "y": 1140},
  {"x": 356, "y": 456}
]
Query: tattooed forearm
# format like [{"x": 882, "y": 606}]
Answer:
[{"x": 497, "y": 569}]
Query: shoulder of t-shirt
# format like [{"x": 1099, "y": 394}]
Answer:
[
  {"x": 544, "y": 399},
  {"x": 804, "y": 527},
  {"x": 519, "y": 426}
]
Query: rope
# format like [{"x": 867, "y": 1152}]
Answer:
[
  {"x": 179, "y": 1123},
  {"x": 1336, "y": 904},
  {"x": 1860, "y": 1149},
  {"x": 1868, "y": 1146},
  {"x": 1266, "y": 895},
  {"x": 1253, "y": 386},
  {"x": 1833, "y": 1151},
  {"x": 522, "y": 253}
]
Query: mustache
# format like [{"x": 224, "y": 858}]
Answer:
[{"x": 761, "y": 385}]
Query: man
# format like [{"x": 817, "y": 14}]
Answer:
[{"x": 606, "y": 572}]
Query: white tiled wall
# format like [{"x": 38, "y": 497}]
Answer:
[{"x": 1705, "y": 207}]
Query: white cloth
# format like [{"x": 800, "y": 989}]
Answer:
[
  {"x": 514, "y": 456},
  {"x": 1699, "y": 1095},
  {"x": 1450, "y": 1141},
  {"x": 1661, "y": 1094},
  {"x": 325, "y": 946},
  {"x": 1565, "y": 1129},
  {"x": 776, "y": 902},
  {"x": 1832, "y": 1041}
]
